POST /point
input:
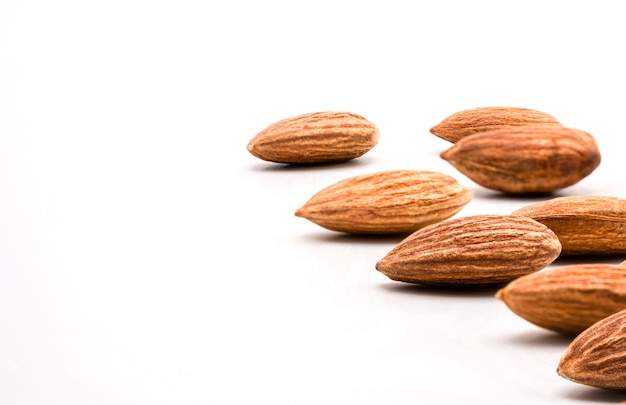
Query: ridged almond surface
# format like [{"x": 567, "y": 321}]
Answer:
[
  {"x": 320, "y": 137},
  {"x": 388, "y": 202},
  {"x": 597, "y": 356},
  {"x": 585, "y": 225},
  {"x": 567, "y": 299},
  {"x": 481, "y": 119},
  {"x": 473, "y": 250},
  {"x": 526, "y": 159}
]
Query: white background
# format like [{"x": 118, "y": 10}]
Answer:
[{"x": 147, "y": 258}]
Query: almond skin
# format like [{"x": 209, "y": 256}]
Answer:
[
  {"x": 473, "y": 250},
  {"x": 320, "y": 137},
  {"x": 525, "y": 159},
  {"x": 481, "y": 119},
  {"x": 388, "y": 202},
  {"x": 567, "y": 299},
  {"x": 586, "y": 225},
  {"x": 597, "y": 356}
]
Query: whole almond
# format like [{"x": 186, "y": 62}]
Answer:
[
  {"x": 395, "y": 201},
  {"x": 585, "y": 225},
  {"x": 481, "y": 119},
  {"x": 525, "y": 159},
  {"x": 597, "y": 356},
  {"x": 320, "y": 137},
  {"x": 567, "y": 299},
  {"x": 473, "y": 250}
]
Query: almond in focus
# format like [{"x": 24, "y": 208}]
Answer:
[
  {"x": 482, "y": 119},
  {"x": 388, "y": 202},
  {"x": 525, "y": 159},
  {"x": 477, "y": 250},
  {"x": 586, "y": 225},
  {"x": 567, "y": 299},
  {"x": 597, "y": 356},
  {"x": 319, "y": 137}
]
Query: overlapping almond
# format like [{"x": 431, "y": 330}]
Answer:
[
  {"x": 320, "y": 137},
  {"x": 567, "y": 299},
  {"x": 472, "y": 250},
  {"x": 387, "y": 202},
  {"x": 585, "y": 225},
  {"x": 525, "y": 159},
  {"x": 482, "y": 119}
]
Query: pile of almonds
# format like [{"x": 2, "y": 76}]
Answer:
[{"x": 516, "y": 151}]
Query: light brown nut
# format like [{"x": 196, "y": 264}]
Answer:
[
  {"x": 526, "y": 159},
  {"x": 597, "y": 356},
  {"x": 481, "y": 119},
  {"x": 473, "y": 250},
  {"x": 567, "y": 299},
  {"x": 586, "y": 225},
  {"x": 388, "y": 202},
  {"x": 320, "y": 137}
]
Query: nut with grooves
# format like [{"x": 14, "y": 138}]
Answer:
[
  {"x": 597, "y": 356},
  {"x": 567, "y": 299},
  {"x": 473, "y": 250},
  {"x": 525, "y": 159},
  {"x": 387, "y": 202},
  {"x": 481, "y": 119},
  {"x": 320, "y": 137},
  {"x": 586, "y": 224}
]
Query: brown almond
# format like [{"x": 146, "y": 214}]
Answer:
[
  {"x": 525, "y": 159},
  {"x": 597, "y": 356},
  {"x": 481, "y": 119},
  {"x": 395, "y": 201},
  {"x": 585, "y": 225},
  {"x": 567, "y": 299},
  {"x": 473, "y": 250},
  {"x": 320, "y": 137}
]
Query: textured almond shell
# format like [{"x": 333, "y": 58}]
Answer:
[
  {"x": 585, "y": 225},
  {"x": 320, "y": 137},
  {"x": 395, "y": 201},
  {"x": 481, "y": 119},
  {"x": 567, "y": 299},
  {"x": 473, "y": 250},
  {"x": 526, "y": 159},
  {"x": 597, "y": 356}
]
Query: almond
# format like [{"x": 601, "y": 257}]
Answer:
[
  {"x": 395, "y": 201},
  {"x": 597, "y": 356},
  {"x": 473, "y": 250},
  {"x": 567, "y": 299},
  {"x": 320, "y": 137},
  {"x": 481, "y": 119},
  {"x": 525, "y": 159},
  {"x": 585, "y": 225}
]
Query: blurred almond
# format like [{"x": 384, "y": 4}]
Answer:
[
  {"x": 481, "y": 119},
  {"x": 395, "y": 201},
  {"x": 320, "y": 137}
]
